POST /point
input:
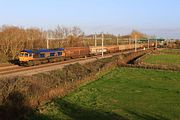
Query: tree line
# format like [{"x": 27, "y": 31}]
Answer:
[{"x": 13, "y": 39}]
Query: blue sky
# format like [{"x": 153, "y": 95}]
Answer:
[{"x": 160, "y": 17}]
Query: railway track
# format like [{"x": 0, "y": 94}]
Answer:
[{"x": 14, "y": 70}]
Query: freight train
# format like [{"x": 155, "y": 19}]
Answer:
[{"x": 41, "y": 56}]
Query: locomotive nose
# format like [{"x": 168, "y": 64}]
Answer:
[{"x": 23, "y": 59}]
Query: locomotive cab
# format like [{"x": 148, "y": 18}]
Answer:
[
  {"x": 25, "y": 56},
  {"x": 40, "y": 56}
]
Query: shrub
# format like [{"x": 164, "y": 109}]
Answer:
[
  {"x": 34, "y": 87},
  {"x": 3, "y": 58}
]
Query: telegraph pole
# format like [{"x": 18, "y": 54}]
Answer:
[
  {"x": 129, "y": 40},
  {"x": 95, "y": 40},
  {"x": 156, "y": 42},
  {"x": 47, "y": 41},
  {"x": 118, "y": 40},
  {"x": 102, "y": 45},
  {"x": 148, "y": 42},
  {"x": 51, "y": 38},
  {"x": 135, "y": 43}
]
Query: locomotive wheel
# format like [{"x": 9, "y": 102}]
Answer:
[
  {"x": 51, "y": 60},
  {"x": 30, "y": 63},
  {"x": 37, "y": 63}
]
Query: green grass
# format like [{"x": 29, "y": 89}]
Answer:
[
  {"x": 165, "y": 59},
  {"x": 123, "y": 93},
  {"x": 170, "y": 50}
]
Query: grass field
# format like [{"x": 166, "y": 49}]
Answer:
[
  {"x": 123, "y": 93},
  {"x": 165, "y": 59},
  {"x": 170, "y": 50}
]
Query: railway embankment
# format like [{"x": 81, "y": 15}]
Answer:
[{"x": 40, "y": 88}]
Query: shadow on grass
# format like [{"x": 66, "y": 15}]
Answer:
[
  {"x": 146, "y": 116},
  {"x": 15, "y": 107},
  {"x": 76, "y": 112}
]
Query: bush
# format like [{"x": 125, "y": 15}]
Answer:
[
  {"x": 3, "y": 58},
  {"x": 178, "y": 44},
  {"x": 37, "y": 86}
]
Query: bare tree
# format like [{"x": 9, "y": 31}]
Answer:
[
  {"x": 13, "y": 40},
  {"x": 35, "y": 38},
  {"x": 76, "y": 31}
]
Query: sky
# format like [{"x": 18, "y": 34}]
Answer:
[{"x": 153, "y": 17}]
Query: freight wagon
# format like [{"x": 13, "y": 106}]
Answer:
[
  {"x": 40, "y": 56},
  {"x": 97, "y": 50},
  {"x": 76, "y": 52}
]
